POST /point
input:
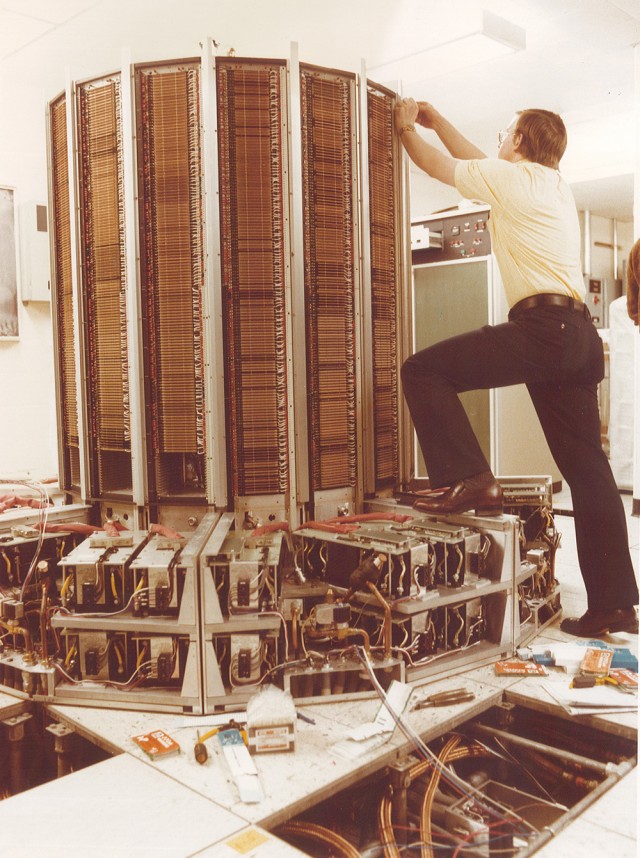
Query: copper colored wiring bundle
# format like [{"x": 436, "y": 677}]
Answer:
[
  {"x": 172, "y": 269},
  {"x": 62, "y": 257},
  {"x": 254, "y": 162},
  {"x": 384, "y": 282},
  {"x": 253, "y": 197},
  {"x": 449, "y": 753},
  {"x": 385, "y": 826},
  {"x": 102, "y": 247},
  {"x": 328, "y": 167},
  {"x": 318, "y": 833}
]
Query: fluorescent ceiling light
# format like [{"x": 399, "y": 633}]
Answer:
[{"x": 497, "y": 38}]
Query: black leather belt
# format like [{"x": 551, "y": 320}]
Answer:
[{"x": 548, "y": 299}]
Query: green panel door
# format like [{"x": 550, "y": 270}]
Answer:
[{"x": 449, "y": 299}]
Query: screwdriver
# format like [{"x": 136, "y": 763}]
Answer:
[
  {"x": 445, "y": 698},
  {"x": 200, "y": 751}
]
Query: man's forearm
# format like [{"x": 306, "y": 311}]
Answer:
[
  {"x": 456, "y": 143},
  {"x": 428, "y": 158}
]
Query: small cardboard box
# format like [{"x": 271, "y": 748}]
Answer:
[{"x": 270, "y": 739}]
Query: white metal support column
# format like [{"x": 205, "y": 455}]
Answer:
[
  {"x": 292, "y": 503},
  {"x": 212, "y": 313},
  {"x": 405, "y": 274},
  {"x": 297, "y": 284},
  {"x": 132, "y": 274}
]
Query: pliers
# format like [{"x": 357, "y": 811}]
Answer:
[{"x": 445, "y": 698}]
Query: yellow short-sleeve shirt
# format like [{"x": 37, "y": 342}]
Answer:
[{"x": 534, "y": 226}]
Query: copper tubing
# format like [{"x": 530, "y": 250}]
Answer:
[
  {"x": 369, "y": 516},
  {"x": 340, "y": 634},
  {"x": 364, "y": 635},
  {"x": 43, "y": 624},
  {"x": 387, "y": 836},
  {"x": 295, "y": 616},
  {"x": 557, "y": 772},
  {"x": 110, "y": 528},
  {"x": 427, "y": 802},
  {"x": 602, "y": 769},
  {"x": 327, "y": 527},
  {"x": 387, "y": 617},
  {"x": 311, "y": 831},
  {"x": 163, "y": 530},
  {"x": 70, "y": 527},
  {"x": 18, "y": 630},
  {"x": 385, "y": 828},
  {"x": 7, "y": 561}
]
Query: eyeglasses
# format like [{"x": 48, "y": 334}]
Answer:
[{"x": 502, "y": 136}]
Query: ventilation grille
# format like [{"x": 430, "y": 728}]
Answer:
[
  {"x": 328, "y": 173},
  {"x": 171, "y": 243},
  {"x": 64, "y": 293},
  {"x": 252, "y": 202},
  {"x": 104, "y": 284},
  {"x": 384, "y": 290}
]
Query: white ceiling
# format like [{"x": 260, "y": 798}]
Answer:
[{"x": 579, "y": 59}]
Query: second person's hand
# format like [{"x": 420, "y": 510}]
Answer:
[{"x": 427, "y": 114}]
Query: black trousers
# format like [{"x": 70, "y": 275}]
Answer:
[{"x": 558, "y": 354}]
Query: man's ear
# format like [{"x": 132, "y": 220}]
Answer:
[{"x": 517, "y": 140}]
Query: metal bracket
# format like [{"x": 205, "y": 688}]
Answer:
[
  {"x": 63, "y": 745},
  {"x": 15, "y": 726},
  {"x": 504, "y": 711}
]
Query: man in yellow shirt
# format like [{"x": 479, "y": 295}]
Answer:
[{"x": 549, "y": 343}]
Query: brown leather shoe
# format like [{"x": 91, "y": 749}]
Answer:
[
  {"x": 463, "y": 496},
  {"x": 593, "y": 624}
]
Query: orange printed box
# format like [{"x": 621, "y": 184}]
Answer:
[
  {"x": 157, "y": 744},
  {"x": 596, "y": 661},
  {"x": 515, "y": 667}
]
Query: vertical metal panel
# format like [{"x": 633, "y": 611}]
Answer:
[
  {"x": 298, "y": 372},
  {"x": 132, "y": 275},
  {"x": 384, "y": 304},
  {"x": 328, "y": 167},
  {"x": 101, "y": 186},
  {"x": 253, "y": 199},
  {"x": 406, "y": 314},
  {"x": 66, "y": 297},
  {"x": 172, "y": 277},
  {"x": 62, "y": 293}
]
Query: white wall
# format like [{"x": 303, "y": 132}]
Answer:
[
  {"x": 28, "y": 445},
  {"x": 428, "y": 195}
]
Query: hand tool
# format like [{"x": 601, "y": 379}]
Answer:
[{"x": 445, "y": 698}]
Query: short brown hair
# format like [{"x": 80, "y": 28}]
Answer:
[{"x": 544, "y": 136}]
